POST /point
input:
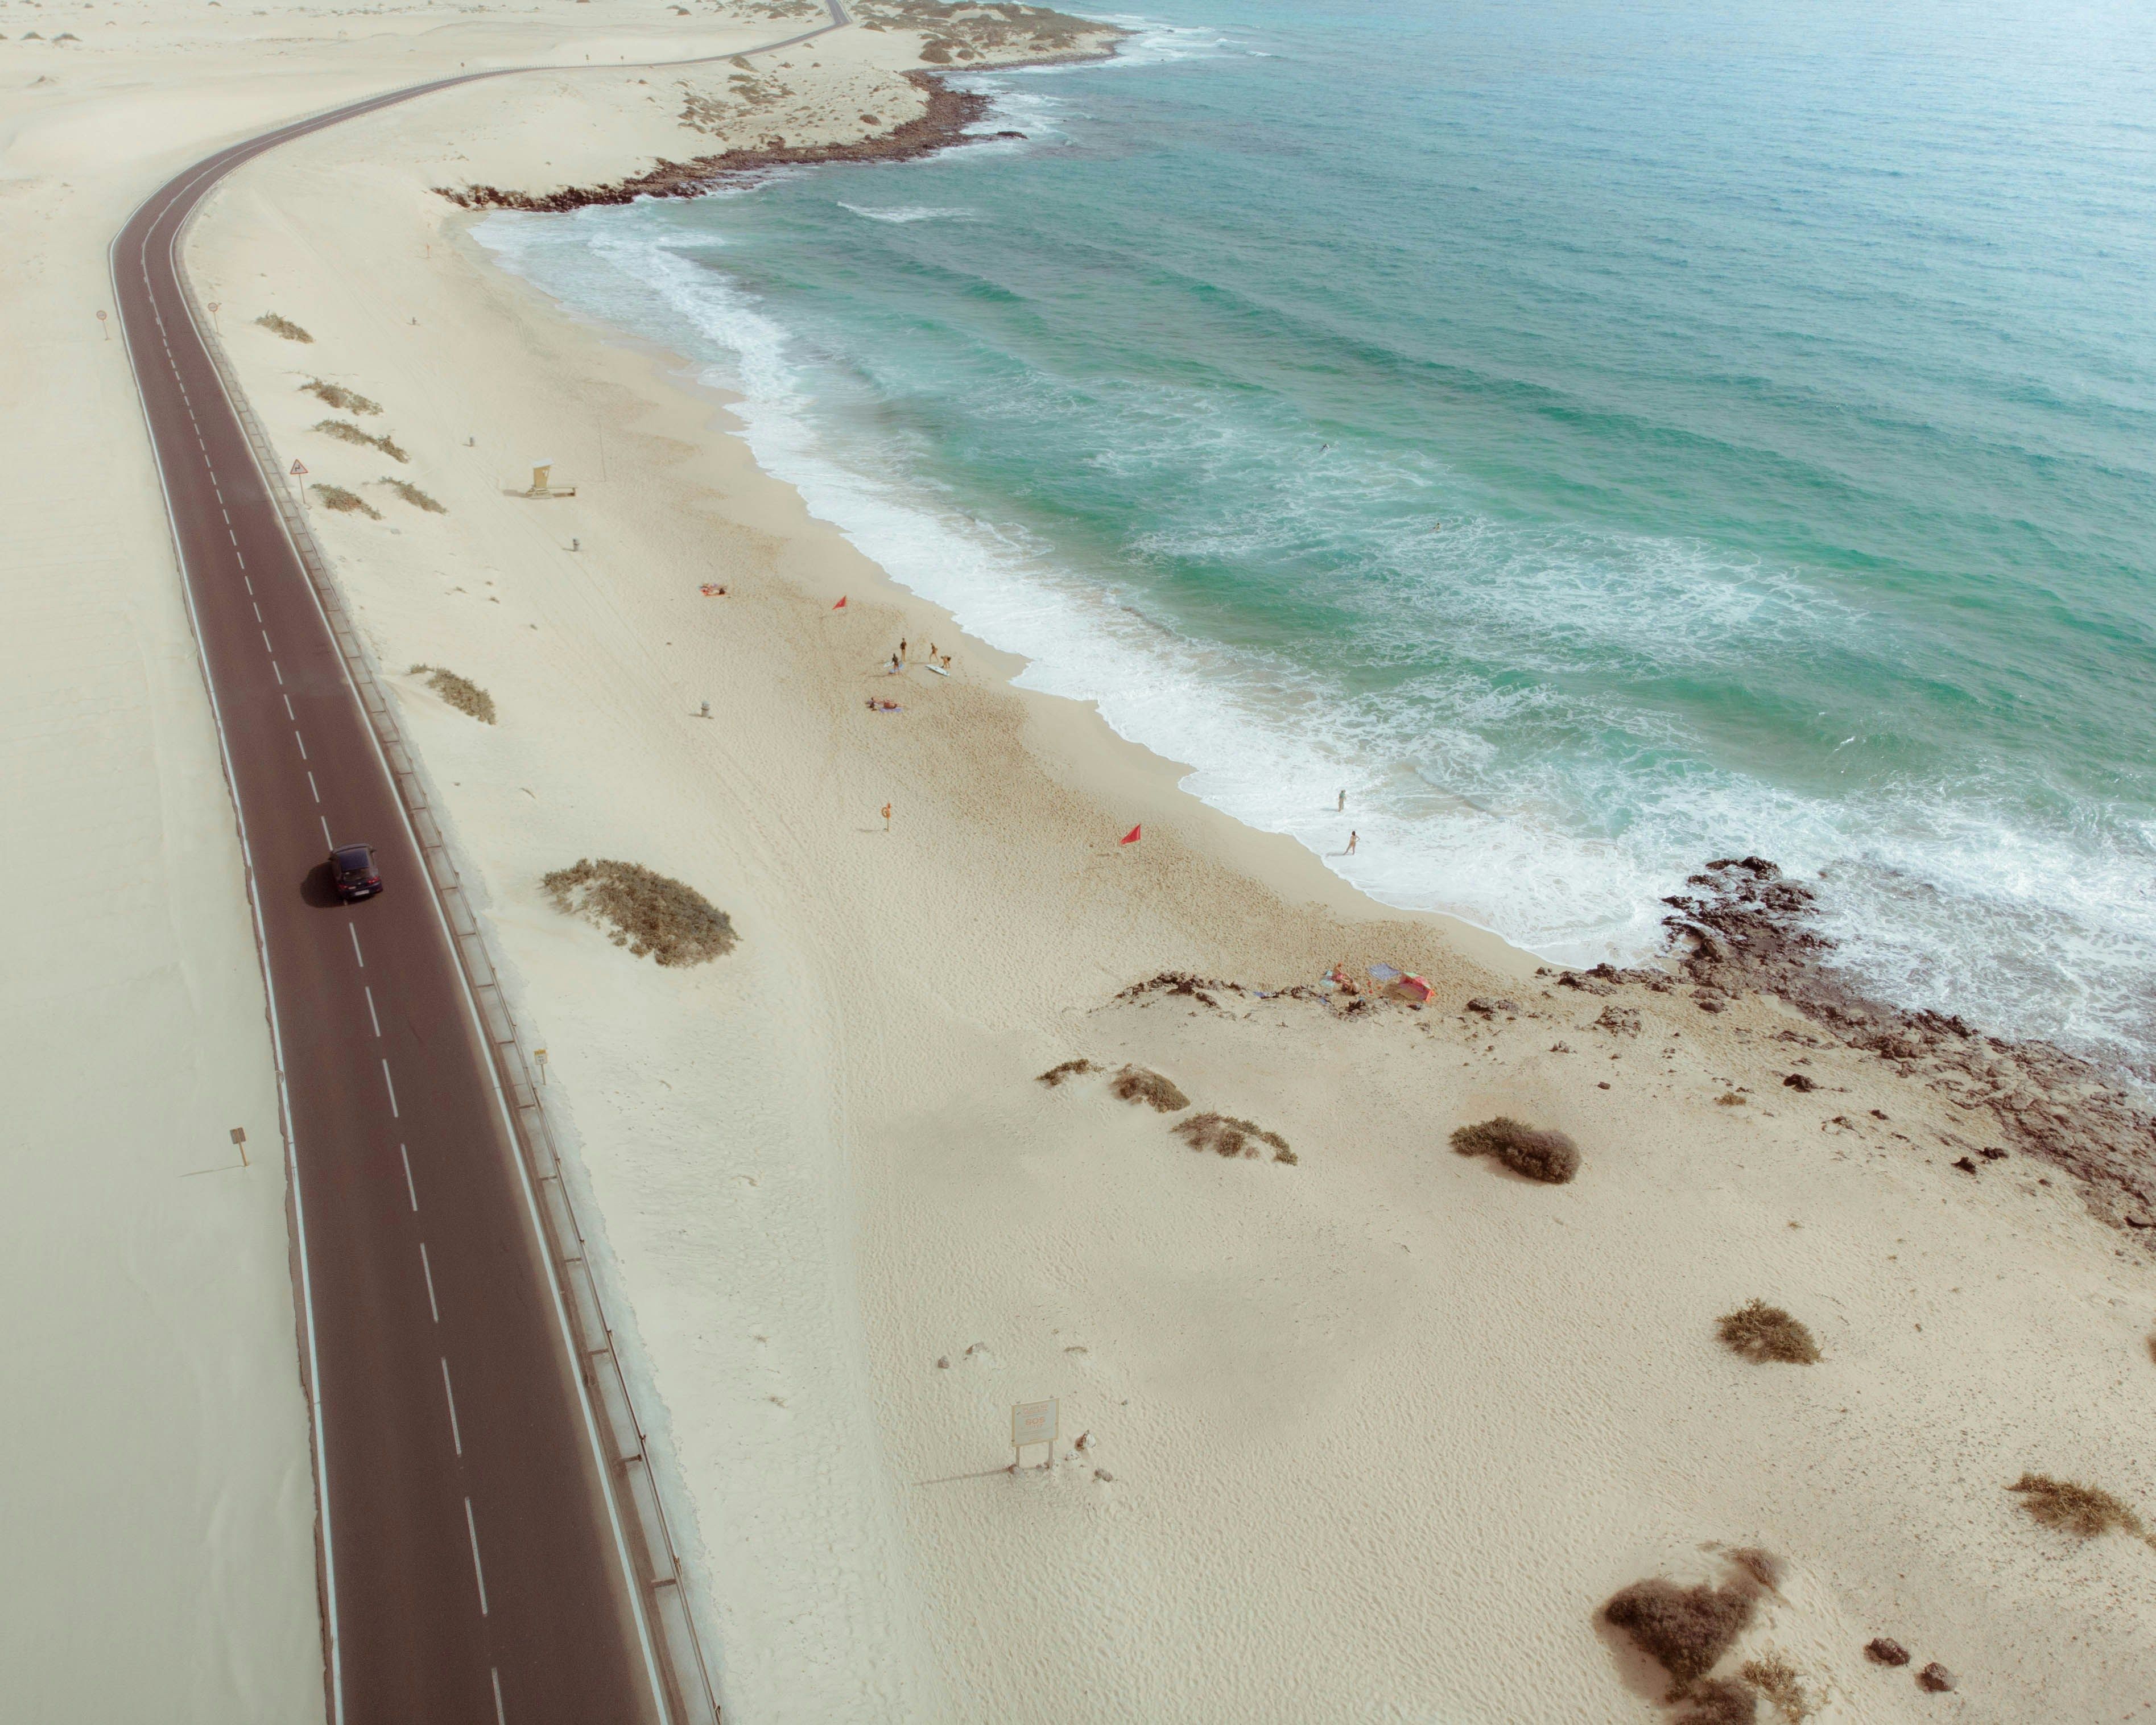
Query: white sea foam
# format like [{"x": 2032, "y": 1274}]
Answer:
[{"x": 910, "y": 213}]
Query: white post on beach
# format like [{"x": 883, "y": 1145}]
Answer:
[
  {"x": 102, "y": 328},
  {"x": 1032, "y": 1423},
  {"x": 213, "y": 323},
  {"x": 540, "y": 1053}
]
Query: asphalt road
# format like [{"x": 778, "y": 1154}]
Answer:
[{"x": 474, "y": 1571}]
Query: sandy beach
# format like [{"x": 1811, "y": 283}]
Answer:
[{"x": 1365, "y": 1429}]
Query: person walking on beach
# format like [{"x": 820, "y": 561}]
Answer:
[
  {"x": 1343, "y": 803},
  {"x": 901, "y": 649},
  {"x": 1353, "y": 838},
  {"x": 887, "y": 817}
]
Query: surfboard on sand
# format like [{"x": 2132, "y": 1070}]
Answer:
[{"x": 937, "y": 669}]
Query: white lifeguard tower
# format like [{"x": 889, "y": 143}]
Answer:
[{"x": 542, "y": 482}]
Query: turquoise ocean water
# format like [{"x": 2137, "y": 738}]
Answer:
[{"x": 1599, "y": 436}]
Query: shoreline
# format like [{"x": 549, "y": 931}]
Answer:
[
  {"x": 942, "y": 125},
  {"x": 1749, "y": 931},
  {"x": 849, "y": 1225}
]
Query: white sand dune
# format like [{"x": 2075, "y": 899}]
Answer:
[{"x": 1368, "y": 1435}]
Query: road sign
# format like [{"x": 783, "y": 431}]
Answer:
[
  {"x": 299, "y": 466},
  {"x": 1034, "y": 1423}
]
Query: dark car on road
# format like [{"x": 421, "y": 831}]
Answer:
[{"x": 352, "y": 872}]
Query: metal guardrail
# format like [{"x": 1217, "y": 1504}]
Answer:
[{"x": 636, "y": 1493}]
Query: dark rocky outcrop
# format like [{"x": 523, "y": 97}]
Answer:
[
  {"x": 949, "y": 113},
  {"x": 1747, "y": 926}
]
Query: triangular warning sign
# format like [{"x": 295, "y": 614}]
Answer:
[{"x": 299, "y": 466}]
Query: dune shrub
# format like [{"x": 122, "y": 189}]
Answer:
[
  {"x": 346, "y": 502},
  {"x": 1135, "y": 1084},
  {"x": 1764, "y": 1333},
  {"x": 646, "y": 912},
  {"x": 1774, "y": 1677},
  {"x": 1056, "y": 1075},
  {"x": 413, "y": 496},
  {"x": 283, "y": 326},
  {"x": 1531, "y": 1154},
  {"x": 336, "y": 395},
  {"x": 462, "y": 694},
  {"x": 1684, "y": 1629},
  {"x": 1716, "y": 1701},
  {"x": 2082, "y": 1510},
  {"x": 1225, "y": 1135}
]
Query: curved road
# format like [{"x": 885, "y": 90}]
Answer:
[{"x": 474, "y": 1569}]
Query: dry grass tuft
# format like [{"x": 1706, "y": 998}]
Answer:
[
  {"x": 1135, "y": 1084},
  {"x": 1225, "y": 1135},
  {"x": 336, "y": 395},
  {"x": 1774, "y": 1677},
  {"x": 645, "y": 912},
  {"x": 464, "y": 696},
  {"x": 413, "y": 496},
  {"x": 1763, "y": 1333},
  {"x": 1729, "y": 1099},
  {"x": 2075, "y": 1509},
  {"x": 346, "y": 502},
  {"x": 1055, "y": 1076},
  {"x": 344, "y": 431},
  {"x": 1763, "y": 1567},
  {"x": 283, "y": 326},
  {"x": 1715, "y": 1701},
  {"x": 1549, "y": 1157},
  {"x": 1684, "y": 1629}
]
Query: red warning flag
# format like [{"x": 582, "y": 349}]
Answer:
[
  {"x": 841, "y": 605},
  {"x": 1131, "y": 836}
]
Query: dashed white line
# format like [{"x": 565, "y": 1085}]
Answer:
[
  {"x": 457, "y": 1438},
  {"x": 371, "y": 1013},
  {"x": 266, "y": 647},
  {"x": 411, "y": 1190},
  {"x": 392, "y": 1083},
  {"x": 245, "y": 583},
  {"x": 314, "y": 787},
  {"x": 324, "y": 820},
  {"x": 296, "y": 737},
  {"x": 352, "y": 930},
  {"x": 426, "y": 1270},
  {"x": 281, "y": 675},
  {"x": 472, "y": 1527},
  {"x": 257, "y": 613},
  {"x": 500, "y": 1716}
]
